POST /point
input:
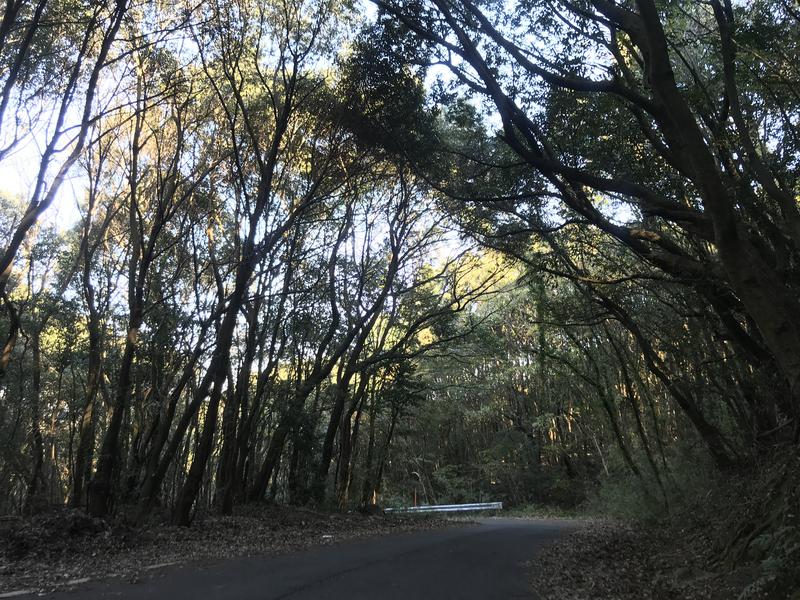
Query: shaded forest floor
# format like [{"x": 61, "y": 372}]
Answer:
[
  {"x": 63, "y": 548},
  {"x": 738, "y": 537},
  {"x": 610, "y": 560}
]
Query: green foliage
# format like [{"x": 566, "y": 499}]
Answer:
[
  {"x": 383, "y": 101},
  {"x": 476, "y": 250},
  {"x": 542, "y": 511},
  {"x": 623, "y": 497}
]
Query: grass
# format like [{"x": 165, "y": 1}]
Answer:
[{"x": 542, "y": 511}]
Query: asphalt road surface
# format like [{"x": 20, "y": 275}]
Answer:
[{"x": 483, "y": 562}]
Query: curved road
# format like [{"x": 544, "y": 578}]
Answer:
[{"x": 483, "y": 561}]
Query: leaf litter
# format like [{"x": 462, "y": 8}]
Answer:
[{"x": 66, "y": 547}]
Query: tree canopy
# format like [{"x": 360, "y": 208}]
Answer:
[{"x": 523, "y": 250}]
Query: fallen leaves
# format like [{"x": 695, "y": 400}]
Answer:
[
  {"x": 66, "y": 547},
  {"x": 605, "y": 560}
]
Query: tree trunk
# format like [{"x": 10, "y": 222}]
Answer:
[
  {"x": 33, "y": 499},
  {"x": 101, "y": 486}
]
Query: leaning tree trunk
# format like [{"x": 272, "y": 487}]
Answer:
[
  {"x": 33, "y": 501},
  {"x": 85, "y": 449},
  {"x": 215, "y": 378},
  {"x": 226, "y": 472}
]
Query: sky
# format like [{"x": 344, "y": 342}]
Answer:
[
  {"x": 18, "y": 169},
  {"x": 18, "y": 176}
]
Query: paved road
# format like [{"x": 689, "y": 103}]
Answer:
[{"x": 483, "y": 561}]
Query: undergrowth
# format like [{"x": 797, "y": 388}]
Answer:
[
  {"x": 744, "y": 520},
  {"x": 542, "y": 511}
]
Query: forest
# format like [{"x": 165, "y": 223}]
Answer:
[{"x": 348, "y": 255}]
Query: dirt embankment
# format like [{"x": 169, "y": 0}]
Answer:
[
  {"x": 612, "y": 561},
  {"x": 738, "y": 540}
]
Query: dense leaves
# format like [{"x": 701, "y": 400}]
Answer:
[{"x": 538, "y": 251}]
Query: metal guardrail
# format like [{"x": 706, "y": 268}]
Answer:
[{"x": 437, "y": 508}]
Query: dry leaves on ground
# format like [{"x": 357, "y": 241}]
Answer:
[
  {"x": 610, "y": 561},
  {"x": 50, "y": 551}
]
